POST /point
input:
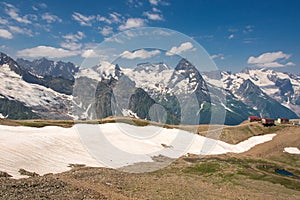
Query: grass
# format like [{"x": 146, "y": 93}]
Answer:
[
  {"x": 235, "y": 170},
  {"x": 43, "y": 123},
  {"x": 203, "y": 168}
]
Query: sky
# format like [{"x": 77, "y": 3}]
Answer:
[{"x": 235, "y": 34}]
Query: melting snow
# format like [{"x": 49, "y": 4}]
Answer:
[
  {"x": 52, "y": 149},
  {"x": 292, "y": 150}
]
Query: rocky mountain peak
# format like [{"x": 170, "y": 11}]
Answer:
[{"x": 45, "y": 67}]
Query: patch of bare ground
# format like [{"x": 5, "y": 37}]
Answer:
[
  {"x": 212, "y": 177},
  {"x": 274, "y": 149}
]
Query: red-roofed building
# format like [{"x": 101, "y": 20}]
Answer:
[
  {"x": 254, "y": 119},
  {"x": 268, "y": 121}
]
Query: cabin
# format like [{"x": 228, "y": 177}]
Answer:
[
  {"x": 283, "y": 120},
  {"x": 268, "y": 121},
  {"x": 254, "y": 119}
]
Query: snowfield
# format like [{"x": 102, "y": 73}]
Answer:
[
  {"x": 51, "y": 149},
  {"x": 292, "y": 150}
]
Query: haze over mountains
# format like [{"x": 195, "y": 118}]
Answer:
[{"x": 154, "y": 91}]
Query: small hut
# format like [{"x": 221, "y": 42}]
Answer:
[
  {"x": 268, "y": 121},
  {"x": 254, "y": 119},
  {"x": 283, "y": 120}
]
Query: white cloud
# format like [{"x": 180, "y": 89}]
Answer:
[
  {"x": 135, "y": 3},
  {"x": 107, "y": 30},
  {"x": 115, "y": 17},
  {"x": 218, "y": 56},
  {"x": 153, "y": 16},
  {"x": 161, "y": 2},
  {"x": 142, "y": 53},
  {"x": 89, "y": 53},
  {"x": 49, "y": 18},
  {"x": 162, "y": 32},
  {"x": 248, "y": 29},
  {"x": 132, "y": 23},
  {"x": 3, "y": 21},
  {"x": 83, "y": 20},
  {"x": 113, "y": 39},
  {"x": 71, "y": 41},
  {"x": 39, "y": 6},
  {"x": 46, "y": 51},
  {"x": 43, "y": 5},
  {"x": 155, "y": 10},
  {"x": 231, "y": 36},
  {"x": 104, "y": 19},
  {"x": 71, "y": 45},
  {"x": 154, "y": 2},
  {"x": 271, "y": 59},
  {"x": 13, "y": 12},
  {"x": 74, "y": 37},
  {"x": 186, "y": 46},
  {"x": 34, "y": 8},
  {"x": 24, "y": 31},
  {"x": 5, "y": 34}
]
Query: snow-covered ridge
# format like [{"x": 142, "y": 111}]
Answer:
[
  {"x": 268, "y": 81},
  {"x": 14, "y": 87},
  {"x": 52, "y": 149},
  {"x": 152, "y": 77}
]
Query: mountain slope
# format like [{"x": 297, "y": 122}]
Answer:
[
  {"x": 45, "y": 67},
  {"x": 282, "y": 87},
  {"x": 42, "y": 101}
]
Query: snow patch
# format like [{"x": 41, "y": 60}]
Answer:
[
  {"x": 292, "y": 150},
  {"x": 52, "y": 149}
]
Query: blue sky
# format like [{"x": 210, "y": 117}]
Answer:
[{"x": 236, "y": 34}]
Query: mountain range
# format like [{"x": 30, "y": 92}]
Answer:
[{"x": 153, "y": 91}]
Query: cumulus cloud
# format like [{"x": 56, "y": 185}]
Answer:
[
  {"x": 218, "y": 56},
  {"x": 46, "y": 51},
  {"x": 74, "y": 37},
  {"x": 71, "y": 45},
  {"x": 271, "y": 59},
  {"x": 13, "y": 12},
  {"x": 104, "y": 19},
  {"x": 107, "y": 30},
  {"x": 24, "y": 31},
  {"x": 5, "y": 34},
  {"x": 142, "y": 53},
  {"x": 82, "y": 19},
  {"x": 3, "y": 21},
  {"x": 132, "y": 23},
  {"x": 49, "y": 18},
  {"x": 157, "y": 2},
  {"x": 71, "y": 41},
  {"x": 186, "y": 46},
  {"x": 155, "y": 10},
  {"x": 154, "y": 2},
  {"x": 153, "y": 16},
  {"x": 115, "y": 17},
  {"x": 89, "y": 53}
]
